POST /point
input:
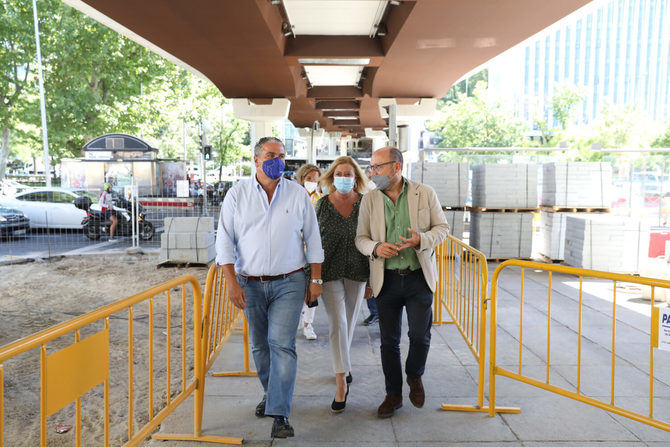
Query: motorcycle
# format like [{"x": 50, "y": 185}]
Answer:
[{"x": 96, "y": 225}]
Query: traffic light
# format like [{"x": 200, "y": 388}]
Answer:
[{"x": 207, "y": 151}]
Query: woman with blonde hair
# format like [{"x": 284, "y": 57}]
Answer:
[
  {"x": 345, "y": 270},
  {"x": 307, "y": 175}
]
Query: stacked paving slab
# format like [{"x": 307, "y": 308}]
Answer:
[
  {"x": 455, "y": 219},
  {"x": 188, "y": 240},
  {"x": 504, "y": 197},
  {"x": 577, "y": 185},
  {"x": 504, "y": 186},
  {"x": 502, "y": 235},
  {"x": 605, "y": 242},
  {"x": 571, "y": 189},
  {"x": 450, "y": 182}
]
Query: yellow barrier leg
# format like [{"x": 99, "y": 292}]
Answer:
[
  {"x": 247, "y": 361},
  {"x": 475, "y": 408}
]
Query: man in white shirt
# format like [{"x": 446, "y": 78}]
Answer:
[{"x": 267, "y": 232}]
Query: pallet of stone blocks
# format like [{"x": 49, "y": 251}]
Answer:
[
  {"x": 504, "y": 186},
  {"x": 552, "y": 233},
  {"x": 188, "y": 240},
  {"x": 577, "y": 185},
  {"x": 605, "y": 242},
  {"x": 455, "y": 219},
  {"x": 449, "y": 180},
  {"x": 502, "y": 235}
]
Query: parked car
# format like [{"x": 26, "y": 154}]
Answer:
[
  {"x": 10, "y": 187},
  {"x": 12, "y": 222},
  {"x": 50, "y": 207}
]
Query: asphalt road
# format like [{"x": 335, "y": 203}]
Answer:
[{"x": 43, "y": 244}]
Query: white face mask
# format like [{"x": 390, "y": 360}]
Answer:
[{"x": 310, "y": 186}]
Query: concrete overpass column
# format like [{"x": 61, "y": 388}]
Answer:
[
  {"x": 262, "y": 116},
  {"x": 410, "y": 119},
  {"x": 345, "y": 143}
]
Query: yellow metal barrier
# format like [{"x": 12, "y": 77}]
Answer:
[
  {"x": 461, "y": 291},
  {"x": 495, "y": 370},
  {"x": 73, "y": 371},
  {"x": 220, "y": 320},
  {"x": 69, "y": 373}
]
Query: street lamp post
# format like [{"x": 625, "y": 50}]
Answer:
[{"x": 43, "y": 111}]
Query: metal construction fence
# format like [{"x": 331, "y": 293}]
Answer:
[
  {"x": 462, "y": 292},
  {"x": 593, "y": 366},
  {"x": 55, "y": 226},
  {"x": 148, "y": 353}
]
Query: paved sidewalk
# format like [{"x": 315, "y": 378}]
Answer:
[{"x": 546, "y": 418}]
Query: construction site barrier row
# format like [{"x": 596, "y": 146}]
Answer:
[
  {"x": 68, "y": 373},
  {"x": 576, "y": 394}
]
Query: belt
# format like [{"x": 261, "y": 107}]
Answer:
[
  {"x": 270, "y": 278},
  {"x": 403, "y": 272}
]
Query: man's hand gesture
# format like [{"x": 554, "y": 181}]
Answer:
[{"x": 413, "y": 241}]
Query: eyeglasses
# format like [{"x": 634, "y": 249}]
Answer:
[{"x": 375, "y": 168}]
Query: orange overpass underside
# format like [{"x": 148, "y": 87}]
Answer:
[{"x": 246, "y": 48}]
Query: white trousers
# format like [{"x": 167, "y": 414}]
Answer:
[
  {"x": 342, "y": 299},
  {"x": 307, "y": 314}
]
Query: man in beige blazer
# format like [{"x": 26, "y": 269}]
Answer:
[{"x": 399, "y": 225}]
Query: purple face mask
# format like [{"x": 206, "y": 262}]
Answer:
[{"x": 273, "y": 168}]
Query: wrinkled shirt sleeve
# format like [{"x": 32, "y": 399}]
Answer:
[{"x": 225, "y": 236}]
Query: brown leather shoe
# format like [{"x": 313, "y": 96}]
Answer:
[
  {"x": 390, "y": 405},
  {"x": 416, "y": 393}
]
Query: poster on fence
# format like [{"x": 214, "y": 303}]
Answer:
[
  {"x": 182, "y": 188},
  {"x": 664, "y": 329}
]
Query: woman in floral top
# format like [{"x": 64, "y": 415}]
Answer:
[
  {"x": 307, "y": 176},
  {"x": 345, "y": 270}
]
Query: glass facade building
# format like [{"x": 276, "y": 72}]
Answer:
[{"x": 615, "y": 51}]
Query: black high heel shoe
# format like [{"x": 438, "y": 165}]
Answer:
[
  {"x": 338, "y": 407},
  {"x": 349, "y": 378}
]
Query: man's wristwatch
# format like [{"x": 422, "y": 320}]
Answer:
[{"x": 317, "y": 281}]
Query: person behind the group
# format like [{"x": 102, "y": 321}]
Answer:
[
  {"x": 345, "y": 270},
  {"x": 307, "y": 175},
  {"x": 267, "y": 232},
  {"x": 370, "y": 301},
  {"x": 107, "y": 207},
  {"x": 400, "y": 224}
]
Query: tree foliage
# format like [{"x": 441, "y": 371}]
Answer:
[
  {"x": 17, "y": 51},
  {"x": 476, "y": 121},
  {"x": 97, "y": 82}
]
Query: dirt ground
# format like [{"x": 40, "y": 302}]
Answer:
[{"x": 36, "y": 296}]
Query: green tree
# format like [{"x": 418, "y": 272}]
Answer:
[
  {"x": 94, "y": 79},
  {"x": 17, "y": 52},
  {"x": 476, "y": 121},
  {"x": 663, "y": 140},
  {"x": 466, "y": 87},
  {"x": 563, "y": 103}
]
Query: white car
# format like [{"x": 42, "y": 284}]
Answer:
[
  {"x": 50, "y": 207},
  {"x": 10, "y": 187}
]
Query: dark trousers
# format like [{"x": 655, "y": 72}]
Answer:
[{"x": 412, "y": 293}]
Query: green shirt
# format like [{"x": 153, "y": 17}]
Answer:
[{"x": 397, "y": 223}]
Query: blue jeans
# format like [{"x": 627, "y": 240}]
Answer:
[
  {"x": 412, "y": 293},
  {"x": 273, "y": 312},
  {"x": 372, "y": 305}
]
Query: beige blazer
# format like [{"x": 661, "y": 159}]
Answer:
[{"x": 426, "y": 217}]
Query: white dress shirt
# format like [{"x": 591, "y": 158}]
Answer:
[{"x": 263, "y": 238}]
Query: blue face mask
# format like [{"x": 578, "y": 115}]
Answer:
[
  {"x": 273, "y": 168},
  {"x": 343, "y": 184},
  {"x": 324, "y": 189}
]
